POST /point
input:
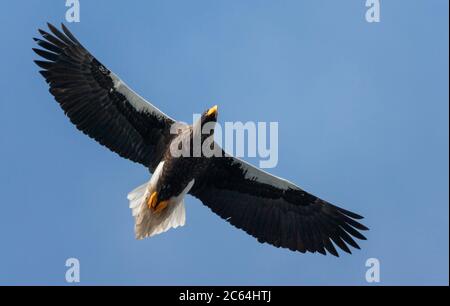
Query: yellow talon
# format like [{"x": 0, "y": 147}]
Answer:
[
  {"x": 153, "y": 200},
  {"x": 161, "y": 206},
  {"x": 153, "y": 204}
]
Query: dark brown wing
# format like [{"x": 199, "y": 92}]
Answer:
[
  {"x": 274, "y": 210},
  {"x": 99, "y": 103}
]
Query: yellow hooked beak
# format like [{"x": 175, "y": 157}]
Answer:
[
  {"x": 212, "y": 111},
  {"x": 154, "y": 205}
]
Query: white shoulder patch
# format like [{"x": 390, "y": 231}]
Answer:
[
  {"x": 261, "y": 176},
  {"x": 139, "y": 103}
]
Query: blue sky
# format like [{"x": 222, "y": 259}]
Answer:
[{"x": 363, "y": 119}]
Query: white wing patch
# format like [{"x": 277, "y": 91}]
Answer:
[
  {"x": 139, "y": 103},
  {"x": 261, "y": 176}
]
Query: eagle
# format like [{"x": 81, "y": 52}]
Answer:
[{"x": 269, "y": 208}]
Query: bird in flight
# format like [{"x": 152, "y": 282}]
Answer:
[{"x": 102, "y": 106}]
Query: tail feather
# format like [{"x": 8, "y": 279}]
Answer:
[
  {"x": 136, "y": 197},
  {"x": 147, "y": 222}
]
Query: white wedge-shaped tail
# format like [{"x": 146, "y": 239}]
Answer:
[{"x": 149, "y": 223}]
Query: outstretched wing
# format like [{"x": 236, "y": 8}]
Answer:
[
  {"x": 98, "y": 102},
  {"x": 274, "y": 210}
]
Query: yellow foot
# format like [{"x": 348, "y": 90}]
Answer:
[
  {"x": 153, "y": 200},
  {"x": 161, "y": 206},
  {"x": 153, "y": 204}
]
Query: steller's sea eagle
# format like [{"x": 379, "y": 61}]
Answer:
[{"x": 269, "y": 208}]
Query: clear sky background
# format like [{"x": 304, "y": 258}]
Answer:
[{"x": 363, "y": 116}]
